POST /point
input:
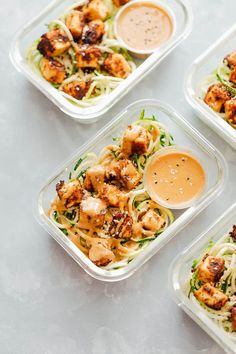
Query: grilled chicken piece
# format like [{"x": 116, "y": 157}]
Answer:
[
  {"x": 152, "y": 221},
  {"x": 231, "y": 59},
  {"x": 100, "y": 252},
  {"x": 211, "y": 269},
  {"x": 93, "y": 32},
  {"x": 75, "y": 21},
  {"x": 232, "y": 76},
  {"x": 119, "y": 3},
  {"x": 233, "y": 317},
  {"x": 233, "y": 233},
  {"x": 126, "y": 173},
  {"x": 54, "y": 43},
  {"x": 117, "y": 66},
  {"x": 121, "y": 225},
  {"x": 52, "y": 70},
  {"x": 112, "y": 195},
  {"x": 70, "y": 193},
  {"x": 216, "y": 97},
  {"x": 95, "y": 177},
  {"x": 230, "y": 110},
  {"x": 88, "y": 57},
  {"x": 77, "y": 89},
  {"x": 135, "y": 140},
  {"x": 92, "y": 211},
  {"x": 211, "y": 296},
  {"x": 96, "y": 10}
]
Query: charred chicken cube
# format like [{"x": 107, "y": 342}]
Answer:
[
  {"x": 152, "y": 221},
  {"x": 52, "y": 70},
  {"x": 75, "y": 21},
  {"x": 100, "y": 252},
  {"x": 121, "y": 225},
  {"x": 127, "y": 174},
  {"x": 96, "y": 10},
  {"x": 232, "y": 76},
  {"x": 231, "y": 59},
  {"x": 70, "y": 193},
  {"x": 216, "y": 97},
  {"x": 93, "y": 32},
  {"x": 116, "y": 65},
  {"x": 119, "y": 3},
  {"x": 233, "y": 233},
  {"x": 211, "y": 296},
  {"x": 88, "y": 57},
  {"x": 77, "y": 89},
  {"x": 112, "y": 195},
  {"x": 230, "y": 110},
  {"x": 135, "y": 140},
  {"x": 53, "y": 43},
  {"x": 95, "y": 177},
  {"x": 92, "y": 211},
  {"x": 233, "y": 317},
  {"x": 211, "y": 269}
]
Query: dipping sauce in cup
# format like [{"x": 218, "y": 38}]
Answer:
[
  {"x": 143, "y": 26},
  {"x": 174, "y": 178}
]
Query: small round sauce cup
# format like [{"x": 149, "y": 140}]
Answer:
[
  {"x": 137, "y": 52},
  {"x": 168, "y": 151}
]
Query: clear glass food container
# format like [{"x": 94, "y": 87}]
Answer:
[
  {"x": 180, "y": 272},
  {"x": 202, "y": 67},
  {"x": 214, "y": 164},
  {"x": 36, "y": 27}
]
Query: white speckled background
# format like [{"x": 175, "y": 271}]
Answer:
[{"x": 48, "y": 305}]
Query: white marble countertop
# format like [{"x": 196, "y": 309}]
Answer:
[{"x": 48, "y": 304}]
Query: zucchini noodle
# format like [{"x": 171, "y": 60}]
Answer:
[
  {"x": 102, "y": 83},
  {"x": 134, "y": 203},
  {"x": 224, "y": 248}
]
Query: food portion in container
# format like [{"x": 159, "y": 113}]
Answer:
[
  {"x": 219, "y": 89},
  {"x": 212, "y": 285},
  {"x": 174, "y": 177},
  {"x": 104, "y": 208},
  {"x": 79, "y": 54},
  {"x": 143, "y": 26}
]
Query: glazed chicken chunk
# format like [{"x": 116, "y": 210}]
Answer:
[
  {"x": 52, "y": 70},
  {"x": 77, "y": 89},
  {"x": 100, "y": 252},
  {"x": 231, "y": 59},
  {"x": 117, "y": 66},
  {"x": 211, "y": 269},
  {"x": 127, "y": 174},
  {"x": 95, "y": 177},
  {"x": 216, "y": 97},
  {"x": 211, "y": 296},
  {"x": 233, "y": 317},
  {"x": 54, "y": 43},
  {"x": 121, "y": 225},
  {"x": 232, "y": 76},
  {"x": 70, "y": 193},
  {"x": 92, "y": 211},
  {"x": 75, "y": 21},
  {"x": 152, "y": 221},
  {"x": 112, "y": 195},
  {"x": 88, "y": 57},
  {"x": 233, "y": 233},
  {"x": 96, "y": 10},
  {"x": 230, "y": 110},
  {"x": 135, "y": 140},
  {"x": 119, "y": 3},
  {"x": 93, "y": 32}
]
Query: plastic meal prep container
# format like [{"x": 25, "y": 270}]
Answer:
[
  {"x": 204, "y": 65},
  {"x": 36, "y": 27},
  {"x": 180, "y": 273},
  {"x": 214, "y": 163}
]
